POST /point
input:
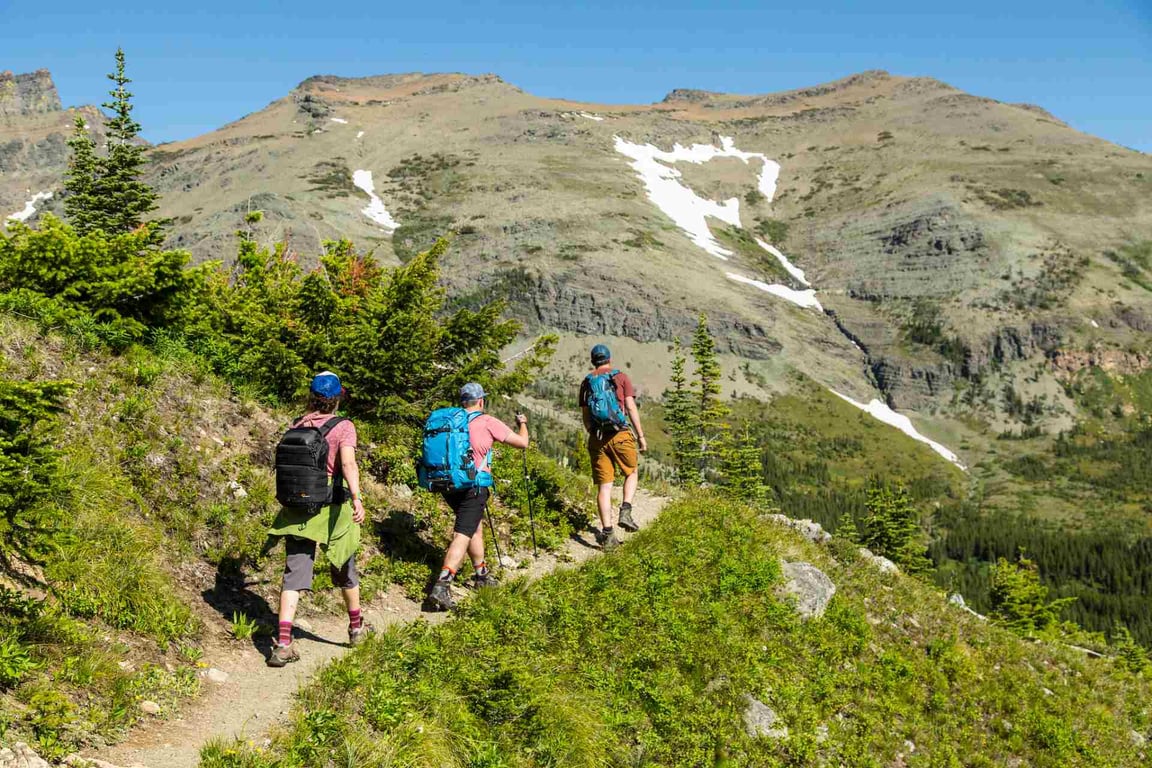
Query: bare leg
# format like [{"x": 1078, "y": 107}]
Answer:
[
  {"x": 457, "y": 549},
  {"x": 352, "y": 598},
  {"x": 289, "y": 599},
  {"x": 630, "y": 484},
  {"x": 476, "y": 546},
  {"x": 604, "y": 504}
]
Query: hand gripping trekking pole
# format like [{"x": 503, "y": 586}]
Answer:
[{"x": 528, "y": 493}]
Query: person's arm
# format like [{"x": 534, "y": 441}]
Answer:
[
  {"x": 586, "y": 414},
  {"x": 518, "y": 439},
  {"x": 634, "y": 416},
  {"x": 351, "y": 474}
]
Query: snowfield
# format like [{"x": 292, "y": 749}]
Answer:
[
  {"x": 879, "y": 410},
  {"x": 789, "y": 267},
  {"x": 805, "y": 298},
  {"x": 375, "y": 209},
  {"x": 30, "y": 207}
]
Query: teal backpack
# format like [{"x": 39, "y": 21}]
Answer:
[
  {"x": 603, "y": 405},
  {"x": 446, "y": 458}
]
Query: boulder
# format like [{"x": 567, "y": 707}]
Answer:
[
  {"x": 760, "y": 721},
  {"x": 21, "y": 756},
  {"x": 149, "y": 707},
  {"x": 215, "y": 675},
  {"x": 882, "y": 563},
  {"x": 809, "y": 529},
  {"x": 811, "y": 588}
]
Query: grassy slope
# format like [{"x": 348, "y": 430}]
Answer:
[{"x": 644, "y": 658}]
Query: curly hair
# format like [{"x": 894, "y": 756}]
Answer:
[{"x": 320, "y": 404}]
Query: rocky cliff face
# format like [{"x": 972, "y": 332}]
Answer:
[{"x": 28, "y": 94}]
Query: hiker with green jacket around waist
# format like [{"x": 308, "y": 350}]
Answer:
[
  {"x": 318, "y": 484},
  {"x": 608, "y": 408}
]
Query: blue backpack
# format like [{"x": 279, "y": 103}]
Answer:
[
  {"x": 603, "y": 405},
  {"x": 446, "y": 460}
]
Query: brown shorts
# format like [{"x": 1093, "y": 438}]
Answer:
[
  {"x": 615, "y": 453},
  {"x": 301, "y": 561}
]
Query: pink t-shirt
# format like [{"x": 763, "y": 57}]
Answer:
[
  {"x": 482, "y": 432},
  {"x": 342, "y": 434}
]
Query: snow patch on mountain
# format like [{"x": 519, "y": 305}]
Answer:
[
  {"x": 789, "y": 267},
  {"x": 805, "y": 298},
  {"x": 30, "y": 207},
  {"x": 879, "y": 410},
  {"x": 587, "y": 116},
  {"x": 340, "y": 120},
  {"x": 375, "y": 209},
  {"x": 360, "y": 134}
]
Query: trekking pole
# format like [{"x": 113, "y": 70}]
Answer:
[
  {"x": 495, "y": 540},
  {"x": 528, "y": 493}
]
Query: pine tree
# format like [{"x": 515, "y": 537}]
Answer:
[
  {"x": 710, "y": 409},
  {"x": 741, "y": 471},
  {"x": 846, "y": 528},
  {"x": 84, "y": 169},
  {"x": 1128, "y": 652},
  {"x": 892, "y": 528},
  {"x": 123, "y": 195},
  {"x": 1020, "y": 599},
  {"x": 682, "y": 417}
]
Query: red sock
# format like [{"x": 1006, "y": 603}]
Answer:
[
  {"x": 355, "y": 620},
  {"x": 285, "y": 632}
]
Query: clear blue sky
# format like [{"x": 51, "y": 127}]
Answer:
[{"x": 210, "y": 62}]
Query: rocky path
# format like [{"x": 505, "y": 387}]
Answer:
[{"x": 250, "y": 697}]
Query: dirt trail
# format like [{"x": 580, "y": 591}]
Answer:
[{"x": 254, "y": 697}]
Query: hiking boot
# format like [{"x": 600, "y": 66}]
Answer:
[
  {"x": 483, "y": 581},
  {"x": 599, "y": 536},
  {"x": 626, "y": 521},
  {"x": 360, "y": 634},
  {"x": 440, "y": 597},
  {"x": 610, "y": 542},
  {"x": 283, "y": 655}
]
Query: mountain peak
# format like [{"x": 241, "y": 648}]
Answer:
[{"x": 28, "y": 94}]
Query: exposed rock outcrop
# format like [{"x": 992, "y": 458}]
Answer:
[
  {"x": 761, "y": 721},
  {"x": 21, "y": 756},
  {"x": 28, "y": 94}
]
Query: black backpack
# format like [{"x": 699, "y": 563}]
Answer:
[{"x": 302, "y": 467}]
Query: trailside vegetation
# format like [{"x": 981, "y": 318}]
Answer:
[{"x": 650, "y": 657}]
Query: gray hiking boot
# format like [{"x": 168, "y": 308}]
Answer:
[
  {"x": 483, "y": 581},
  {"x": 283, "y": 655},
  {"x": 626, "y": 521},
  {"x": 360, "y": 634},
  {"x": 440, "y": 597},
  {"x": 609, "y": 541}
]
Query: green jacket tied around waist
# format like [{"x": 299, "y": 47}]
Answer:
[{"x": 332, "y": 528}]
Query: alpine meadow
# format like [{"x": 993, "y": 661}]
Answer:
[{"x": 810, "y": 428}]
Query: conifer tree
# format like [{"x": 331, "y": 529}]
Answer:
[
  {"x": 683, "y": 422},
  {"x": 80, "y": 180},
  {"x": 892, "y": 528},
  {"x": 711, "y": 411},
  {"x": 847, "y": 529},
  {"x": 1020, "y": 600},
  {"x": 119, "y": 192},
  {"x": 741, "y": 472}
]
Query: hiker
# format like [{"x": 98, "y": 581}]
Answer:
[
  {"x": 464, "y": 478},
  {"x": 318, "y": 484},
  {"x": 608, "y": 407}
]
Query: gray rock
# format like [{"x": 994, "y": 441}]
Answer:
[
  {"x": 882, "y": 563},
  {"x": 760, "y": 721},
  {"x": 150, "y": 708},
  {"x": 400, "y": 491},
  {"x": 21, "y": 756},
  {"x": 809, "y": 529},
  {"x": 1138, "y": 739},
  {"x": 215, "y": 675},
  {"x": 507, "y": 561},
  {"x": 812, "y": 589},
  {"x": 237, "y": 490},
  {"x": 957, "y": 600}
]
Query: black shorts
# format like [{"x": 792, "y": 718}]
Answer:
[
  {"x": 468, "y": 506},
  {"x": 300, "y": 561}
]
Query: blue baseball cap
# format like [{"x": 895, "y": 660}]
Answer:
[
  {"x": 471, "y": 391},
  {"x": 326, "y": 384},
  {"x": 601, "y": 354}
]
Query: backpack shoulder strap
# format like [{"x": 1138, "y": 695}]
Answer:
[
  {"x": 474, "y": 415},
  {"x": 331, "y": 424}
]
